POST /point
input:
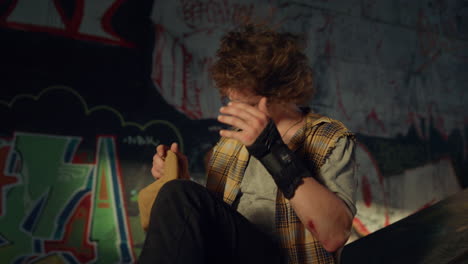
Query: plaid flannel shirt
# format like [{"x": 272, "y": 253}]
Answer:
[{"x": 313, "y": 142}]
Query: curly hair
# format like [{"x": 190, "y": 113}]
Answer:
[{"x": 269, "y": 63}]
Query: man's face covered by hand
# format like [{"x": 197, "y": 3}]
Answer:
[{"x": 248, "y": 113}]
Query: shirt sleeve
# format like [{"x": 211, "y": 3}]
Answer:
[{"x": 338, "y": 172}]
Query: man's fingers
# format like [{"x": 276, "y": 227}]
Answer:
[
  {"x": 175, "y": 147},
  {"x": 229, "y": 134},
  {"x": 233, "y": 121},
  {"x": 237, "y": 111},
  {"x": 157, "y": 169},
  {"x": 182, "y": 161},
  {"x": 248, "y": 108},
  {"x": 243, "y": 137},
  {"x": 161, "y": 151},
  {"x": 262, "y": 105},
  {"x": 157, "y": 174},
  {"x": 158, "y": 161}
]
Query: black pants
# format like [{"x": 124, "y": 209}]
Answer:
[{"x": 190, "y": 225}]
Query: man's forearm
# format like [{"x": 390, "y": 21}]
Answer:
[{"x": 286, "y": 168}]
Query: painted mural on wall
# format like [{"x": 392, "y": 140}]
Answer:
[
  {"x": 62, "y": 210},
  {"x": 76, "y": 147},
  {"x": 65, "y": 197},
  {"x": 93, "y": 86}
]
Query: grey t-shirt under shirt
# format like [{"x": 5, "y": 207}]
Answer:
[{"x": 257, "y": 198}]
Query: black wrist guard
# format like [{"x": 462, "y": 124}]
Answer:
[{"x": 284, "y": 166}]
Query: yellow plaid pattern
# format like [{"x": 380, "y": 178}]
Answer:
[{"x": 313, "y": 143}]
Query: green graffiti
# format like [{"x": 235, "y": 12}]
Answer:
[
  {"x": 18, "y": 242},
  {"x": 40, "y": 208},
  {"x": 48, "y": 183},
  {"x": 109, "y": 223},
  {"x": 44, "y": 176}
]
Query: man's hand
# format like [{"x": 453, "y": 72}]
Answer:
[
  {"x": 249, "y": 119},
  {"x": 158, "y": 161}
]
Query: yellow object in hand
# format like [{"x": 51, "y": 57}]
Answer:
[{"x": 147, "y": 195}]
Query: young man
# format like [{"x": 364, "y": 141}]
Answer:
[{"x": 280, "y": 186}]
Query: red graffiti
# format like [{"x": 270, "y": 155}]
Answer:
[
  {"x": 82, "y": 158},
  {"x": 373, "y": 116},
  {"x": 4, "y": 179},
  {"x": 78, "y": 226},
  {"x": 374, "y": 197},
  {"x": 360, "y": 227},
  {"x": 329, "y": 48},
  {"x": 426, "y": 205},
  {"x": 178, "y": 83},
  {"x": 90, "y": 24},
  {"x": 432, "y": 43},
  {"x": 366, "y": 191}
]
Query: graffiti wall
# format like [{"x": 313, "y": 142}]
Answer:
[
  {"x": 89, "y": 88},
  {"x": 73, "y": 208}
]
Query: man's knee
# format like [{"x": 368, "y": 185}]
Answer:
[
  {"x": 172, "y": 195},
  {"x": 177, "y": 190}
]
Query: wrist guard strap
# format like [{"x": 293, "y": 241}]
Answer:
[{"x": 284, "y": 166}]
